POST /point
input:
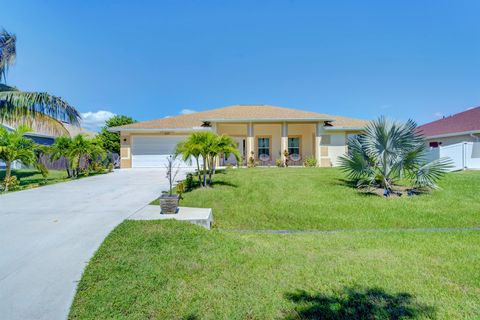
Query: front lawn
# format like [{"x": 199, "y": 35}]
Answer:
[
  {"x": 174, "y": 270},
  {"x": 303, "y": 198},
  {"x": 31, "y": 178}
]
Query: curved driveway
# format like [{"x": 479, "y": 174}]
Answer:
[{"x": 48, "y": 234}]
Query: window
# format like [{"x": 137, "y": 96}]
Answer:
[
  {"x": 294, "y": 146},
  {"x": 263, "y": 147}
]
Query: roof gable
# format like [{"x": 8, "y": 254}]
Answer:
[{"x": 461, "y": 122}]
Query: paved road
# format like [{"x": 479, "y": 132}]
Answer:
[{"x": 48, "y": 234}]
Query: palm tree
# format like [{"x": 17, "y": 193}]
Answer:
[
  {"x": 388, "y": 151},
  {"x": 191, "y": 148},
  {"x": 83, "y": 147},
  {"x": 14, "y": 146},
  {"x": 61, "y": 149},
  {"x": 207, "y": 146},
  {"x": 18, "y": 107},
  {"x": 222, "y": 144}
]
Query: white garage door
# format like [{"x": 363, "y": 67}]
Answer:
[{"x": 152, "y": 152}]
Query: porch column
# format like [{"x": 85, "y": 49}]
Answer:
[
  {"x": 250, "y": 141},
  {"x": 318, "y": 142},
  {"x": 284, "y": 140}
]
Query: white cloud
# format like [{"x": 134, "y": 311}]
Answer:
[
  {"x": 95, "y": 120},
  {"x": 187, "y": 111},
  {"x": 438, "y": 114}
]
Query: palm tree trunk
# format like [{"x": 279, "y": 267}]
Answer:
[
  {"x": 205, "y": 160},
  {"x": 210, "y": 171},
  {"x": 8, "y": 173},
  {"x": 67, "y": 168},
  {"x": 198, "y": 171}
]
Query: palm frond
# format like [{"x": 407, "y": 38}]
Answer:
[
  {"x": 8, "y": 52},
  {"x": 429, "y": 173},
  {"x": 30, "y": 104}
]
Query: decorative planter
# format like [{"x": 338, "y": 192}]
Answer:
[{"x": 169, "y": 204}]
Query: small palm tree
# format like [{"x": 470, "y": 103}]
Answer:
[
  {"x": 191, "y": 148},
  {"x": 14, "y": 146},
  {"x": 388, "y": 151},
  {"x": 207, "y": 146},
  {"x": 18, "y": 107},
  {"x": 222, "y": 144},
  {"x": 73, "y": 150},
  {"x": 61, "y": 149}
]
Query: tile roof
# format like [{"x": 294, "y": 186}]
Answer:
[
  {"x": 241, "y": 113},
  {"x": 461, "y": 122}
]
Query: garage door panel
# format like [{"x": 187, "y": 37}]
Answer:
[{"x": 153, "y": 152}]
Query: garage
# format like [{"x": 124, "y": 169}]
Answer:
[{"x": 153, "y": 151}]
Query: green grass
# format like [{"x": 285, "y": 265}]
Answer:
[
  {"x": 302, "y": 198},
  {"x": 31, "y": 178},
  {"x": 174, "y": 270}
]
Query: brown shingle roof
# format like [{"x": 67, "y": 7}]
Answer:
[
  {"x": 241, "y": 112},
  {"x": 461, "y": 122}
]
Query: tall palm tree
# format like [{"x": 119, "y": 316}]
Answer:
[
  {"x": 19, "y": 107},
  {"x": 14, "y": 146},
  {"x": 388, "y": 151}
]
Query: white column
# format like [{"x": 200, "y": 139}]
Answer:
[
  {"x": 250, "y": 140},
  {"x": 318, "y": 134},
  {"x": 284, "y": 140}
]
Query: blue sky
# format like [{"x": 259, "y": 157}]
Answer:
[{"x": 150, "y": 59}]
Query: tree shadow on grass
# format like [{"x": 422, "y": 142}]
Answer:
[
  {"x": 357, "y": 303},
  {"x": 20, "y": 174},
  {"x": 224, "y": 183}
]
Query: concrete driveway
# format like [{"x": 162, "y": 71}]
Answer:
[{"x": 48, "y": 235}]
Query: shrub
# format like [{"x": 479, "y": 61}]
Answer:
[
  {"x": 97, "y": 167},
  {"x": 310, "y": 162},
  {"x": 10, "y": 183},
  {"x": 190, "y": 182},
  {"x": 110, "y": 167},
  {"x": 180, "y": 189},
  {"x": 279, "y": 163}
]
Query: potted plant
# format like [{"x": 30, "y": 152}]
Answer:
[{"x": 169, "y": 200}]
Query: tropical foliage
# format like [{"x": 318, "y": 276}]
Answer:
[
  {"x": 206, "y": 147},
  {"x": 19, "y": 107},
  {"x": 15, "y": 147},
  {"x": 388, "y": 151},
  {"x": 76, "y": 149},
  {"x": 111, "y": 140}
]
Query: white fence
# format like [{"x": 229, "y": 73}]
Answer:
[{"x": 464, "y": 155}]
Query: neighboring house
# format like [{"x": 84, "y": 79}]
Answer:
[
  {"x": 260, "y": 130},
  {"x": 42, "y": 136},
  {"x": 456, "y": 137}
]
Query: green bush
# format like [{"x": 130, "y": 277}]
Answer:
[
  {"x": 310, "y": 162},
  {"x": 110, "y": 167},
  {"x": 180, "y": 188},
  {"x": 11, "y": 183},
  {"x": 279, "y": 163},
  {"x": 190, "y": 182}
]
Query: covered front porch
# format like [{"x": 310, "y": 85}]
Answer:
[{"x": 268, "y": 142}]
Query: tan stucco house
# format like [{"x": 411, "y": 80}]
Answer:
[{"x": 264, "y": 130}]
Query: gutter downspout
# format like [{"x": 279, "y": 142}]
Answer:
[{"x": 474, "y": 136}]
